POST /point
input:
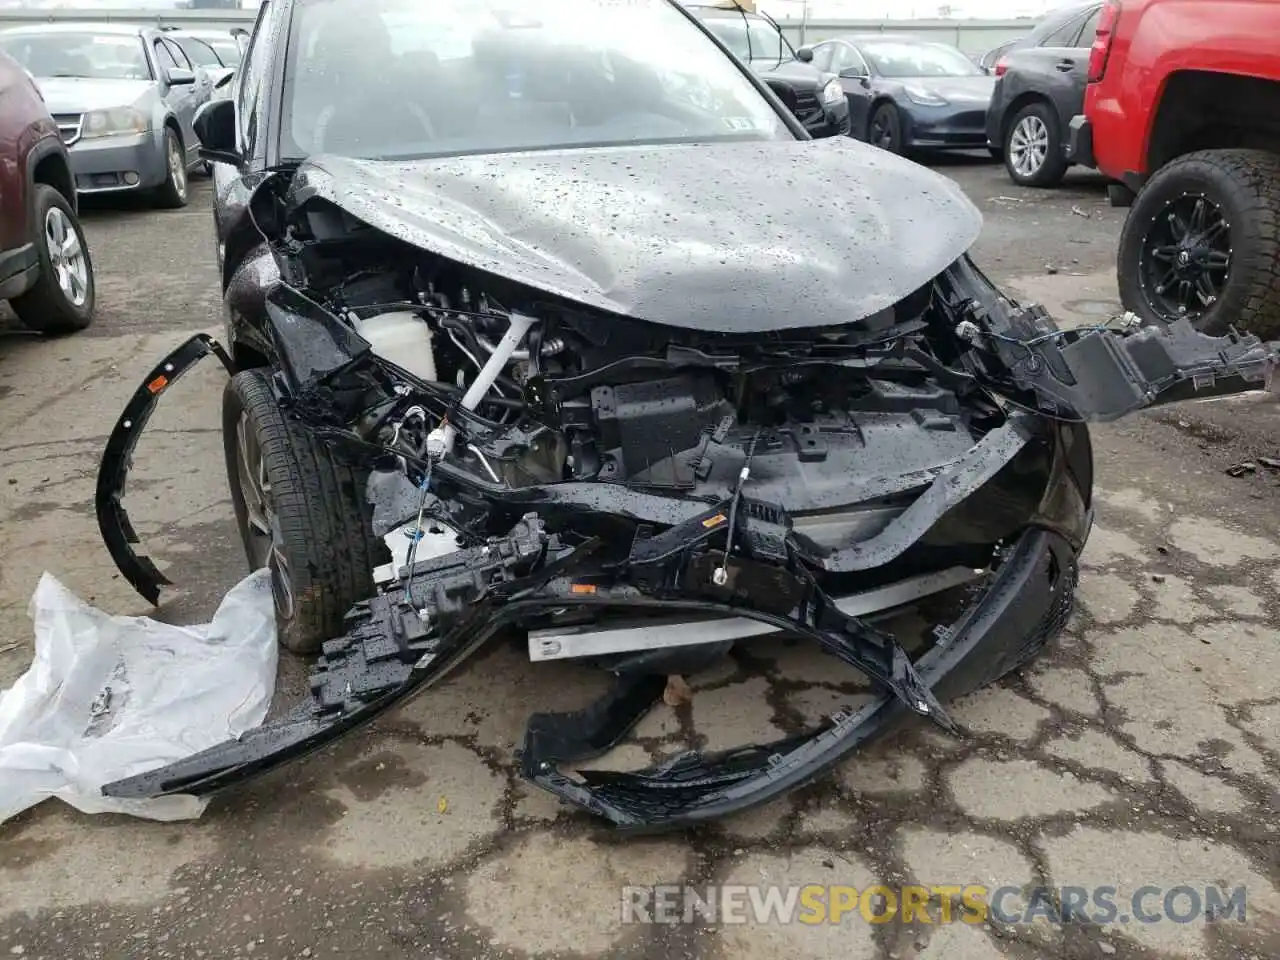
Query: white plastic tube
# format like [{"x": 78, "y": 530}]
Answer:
[{"x": 440, "y": 441}]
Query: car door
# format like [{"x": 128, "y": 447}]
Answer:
[
  {"x": 1061, "y": 64},
  {"x": 181, "y": 99},
  {"x": 855, "y": 76},
  {"x": 1074, "y": 66}
]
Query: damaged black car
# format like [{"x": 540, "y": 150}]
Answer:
[{"x": 554, "y": 320}]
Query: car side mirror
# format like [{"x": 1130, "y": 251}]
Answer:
[
  {"x": 805, "y": 55},
  {"x": 215, "y": 126},
  {"x": 180, "y": 77}
]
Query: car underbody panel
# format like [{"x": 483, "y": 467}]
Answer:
[{"x": 643, "y": 497}]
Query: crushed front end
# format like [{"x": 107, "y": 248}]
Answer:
[{"x": 643, "y": 496}]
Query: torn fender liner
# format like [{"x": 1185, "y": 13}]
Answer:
[
  {"x": 391, "y": 653},
  {"x": 113, "y": 472}
]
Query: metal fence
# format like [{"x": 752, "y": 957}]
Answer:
[{"x": 971, "y": 36}]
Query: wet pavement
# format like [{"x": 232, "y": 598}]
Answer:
[{"x": 1142, "y": 749}]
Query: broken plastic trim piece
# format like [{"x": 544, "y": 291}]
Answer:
[
  {"x": 113, "y": 472},
  {"x": 388, "y": 655},
  {"x": 1023, "y": 606}
]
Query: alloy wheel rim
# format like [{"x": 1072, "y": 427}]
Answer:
[
  {"x": 262, "y": 525},
  {"x": 177, "y": 169},
  {"x": 1185, "y": 259},
  {"x": 66, "y": 256},
  {"x": 1029, "y": 146}
]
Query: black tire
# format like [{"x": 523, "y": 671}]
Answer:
[
  {"x": 1245, "y": 187},
  {"x": 172, "y": 194},
  {"x": 47, "y": 308},
  {"x": 1049, "y": 170},
  {"x": 884, "y": 129},
  {"x": 323, "y": 549}
]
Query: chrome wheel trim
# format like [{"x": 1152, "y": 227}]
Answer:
[
  {"x": 1029, "y": 146},
  {"x": 177, "y": 167},
  {"x": 66, "y": 256}
]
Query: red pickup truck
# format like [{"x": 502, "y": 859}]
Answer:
[{"x": 1183, "y": 111}]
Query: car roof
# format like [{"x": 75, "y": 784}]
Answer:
[
  {"x": 1060, "y": 15},
  {"x": 83, "y": 26},
  {"x": 856, "y": 38},
  {"x": 202, "y": 34},
  {"x": 711, "y": 10}
]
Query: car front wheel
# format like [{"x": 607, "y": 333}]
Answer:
[
  {"x": 1033, "y": 147},
  {"x": 63, "y": 296},
  {"x": 302, "y": 514},
  {"x": 1202, "y": 241},
  {"x": 885, "y": 128},
  {"x": 173, "y": 192}
]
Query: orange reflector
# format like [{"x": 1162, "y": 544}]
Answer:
[
  {"x": 715, "y": 521},
  {"x": 158, "y": 384},
  {"x": 582, "y": 588}
]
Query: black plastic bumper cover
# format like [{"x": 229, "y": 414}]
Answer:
[
  {"x": 1080, "y": 144},
  {"x": 364, "y": 673}
]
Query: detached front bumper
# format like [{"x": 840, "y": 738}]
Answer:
[{"x": 387, "y": 657}]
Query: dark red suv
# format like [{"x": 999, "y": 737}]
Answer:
[{"x": 45, "y": 270}]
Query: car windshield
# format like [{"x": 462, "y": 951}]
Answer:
[
  {"x": 416, "y": 78},
  {"x": 67, "y": 54},
  {"x": 198, "y": 52},
  {"x": 750, "y": 38},
  {"x": 228, "y": 51},
  {"x": 906, "y": 59}
]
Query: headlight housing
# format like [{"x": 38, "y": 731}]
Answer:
[
  {"x": 833, "y": 92},
  {"x": 923, "y": 96},
  {"x": 115, "y": 122}
]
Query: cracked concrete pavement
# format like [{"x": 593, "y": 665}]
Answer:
[{"x": 1143, "y": 748}]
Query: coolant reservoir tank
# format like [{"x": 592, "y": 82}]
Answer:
[{"x": 402, "y": 338}]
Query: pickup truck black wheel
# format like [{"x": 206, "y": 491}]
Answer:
[
  {"x": 62, "y": 299},
  {"x": 1033, "y": 153},
  {"x": 302, "y": 514},
  {"x": 1202, "y": 241}
]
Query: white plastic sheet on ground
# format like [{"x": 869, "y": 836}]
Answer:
[{"x": 107, "y": 697}]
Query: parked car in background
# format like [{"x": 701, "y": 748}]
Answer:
[
  {"x": 201, "y": 51},
  {"x": 1039, "y": 87},
  {"x": 212, "y": 49},
  {"x": 1183, "y": 108},
  {"x": 909, "y": 94},
  {"x": 46, "y": 273},
  {"x": 123, "y": 97},
  {"x": 813, "y": 95}
]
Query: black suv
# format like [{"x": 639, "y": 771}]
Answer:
[{"x": 815, "y": 96}]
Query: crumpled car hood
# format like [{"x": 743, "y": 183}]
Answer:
[{"x": 733, "y": 238}]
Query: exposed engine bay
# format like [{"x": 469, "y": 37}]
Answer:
[{"x": 545, "y": 464}]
